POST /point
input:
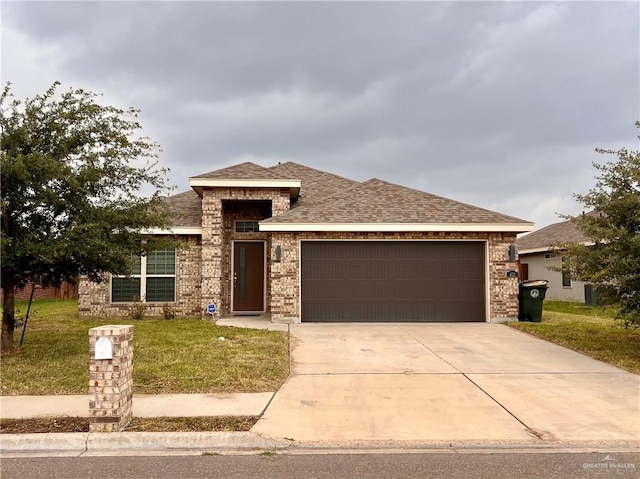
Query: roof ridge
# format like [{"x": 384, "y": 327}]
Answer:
[
  {"x": 239, "y": 167},
  {"x": 181, "y": 193},
  {"x": 300, "y": 165},
  {"x": 550, "y": 226}
]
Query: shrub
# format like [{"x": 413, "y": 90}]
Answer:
[
  {"x": 137, "y": 309},
  {"x": 168, "y": 312}
]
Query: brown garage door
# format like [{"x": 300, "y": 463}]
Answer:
[{"x": 392, "y": 281}]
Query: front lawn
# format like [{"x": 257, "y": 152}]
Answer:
[
  {"x": 170, "y": 356},
  {"x": 591, "y": 331}
]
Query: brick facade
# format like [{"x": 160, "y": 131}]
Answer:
[
  {"x": 94, "y": 299},
  {"x": 285, "y": 277},
  {"x": 220, "y": 208},
  {"x": 204, "y": 266}
]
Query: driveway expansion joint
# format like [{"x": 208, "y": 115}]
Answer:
[{"x": 528, "y": 429}]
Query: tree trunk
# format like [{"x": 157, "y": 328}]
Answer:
[{"x": 8, "y": 315}]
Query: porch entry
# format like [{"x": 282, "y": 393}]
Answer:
[{"x": 248, "y": 276}]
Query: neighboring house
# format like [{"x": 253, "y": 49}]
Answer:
[
  {"x": 538, "y": 252},
  {"x": 299, "y": 244}
]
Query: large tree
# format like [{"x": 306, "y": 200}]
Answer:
[
  {"x": 79, "y": 185},
  {"x": 612, "y": 263}
]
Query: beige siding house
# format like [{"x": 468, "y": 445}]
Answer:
[
  {"x": 296, "y": 244},
  {"x": 540, "y": 258}
]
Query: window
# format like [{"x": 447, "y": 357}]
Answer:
[
  {"x": 566, "y": 272},
  {"x": 152, "y": 279},
  {"x": 550, "y": 256},
  {"x": 247, "y": 227}
]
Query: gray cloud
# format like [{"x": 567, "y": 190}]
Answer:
[{"x": 496, "y": 104}]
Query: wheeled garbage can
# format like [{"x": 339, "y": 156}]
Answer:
[{"x": 530, "y": 299}]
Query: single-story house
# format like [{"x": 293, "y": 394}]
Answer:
[
  {"x": 539, "y": 251},
  {"x": 297, "y": 244}
]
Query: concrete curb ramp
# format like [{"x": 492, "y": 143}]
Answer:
[{"x": 139, "y": 441}]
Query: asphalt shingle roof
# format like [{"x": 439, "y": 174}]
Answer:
[
  {"x": 378, "y": 201},
  {"x": 555, "y": 234},
  {"x": 243, "y": 171},
  {"x": 326, "y": 198},
  {"x": 316, "y": 186},
  {"x": 186, "y": 209}
]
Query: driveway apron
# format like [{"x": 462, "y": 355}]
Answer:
[{"x": 447, "y": 382}]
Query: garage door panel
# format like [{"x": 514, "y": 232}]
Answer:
[
  {"x": 459, "y": 270},
  {"x": 359, "y": 311},
  {"x": 392, "y": 281}
]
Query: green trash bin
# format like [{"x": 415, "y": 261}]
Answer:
[{"x": 530, "y": 299}]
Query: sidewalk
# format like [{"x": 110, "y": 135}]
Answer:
[
  {"x": 144, "y": 405},
  {"x": 157, "y": 405}
]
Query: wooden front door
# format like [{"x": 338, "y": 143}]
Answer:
[{"x": 248, "y": 276}]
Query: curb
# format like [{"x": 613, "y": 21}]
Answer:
[
  {"x": 131, "y": 441},
  {"x": 97, "y": 442},
  {"x": 59, "y": 441}
]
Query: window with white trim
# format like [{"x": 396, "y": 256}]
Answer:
[{"x": 152, "y": 279}]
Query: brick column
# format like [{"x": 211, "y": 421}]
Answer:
[
  {"x": 285, "y": 279},
  {"x": 111, "y": 380},
  {"x": 211, "y": 251}
]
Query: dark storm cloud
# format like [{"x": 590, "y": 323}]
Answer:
[{"x": 497, "y": 104}]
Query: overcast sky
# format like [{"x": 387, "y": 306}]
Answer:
[{"x": 497, "y": 104}]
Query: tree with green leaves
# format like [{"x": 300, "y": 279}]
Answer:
[
  {"x": 612, "y": 262},
  {"x": 74, "y": 174}
]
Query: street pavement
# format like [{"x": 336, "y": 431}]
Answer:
[{"x": 335, "y": 464}]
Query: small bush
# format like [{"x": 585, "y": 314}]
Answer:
[
  {"x": 137, "y": 310},
  {"x": 168, "y": 312}
]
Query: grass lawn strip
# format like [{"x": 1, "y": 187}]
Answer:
[
  {"x": 591, "y": 331},
  {"x": 170, "y": 356},
  {"x": 157, "y": 424}
]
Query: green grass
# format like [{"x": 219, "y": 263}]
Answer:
[
  {"x": 579, "y": 308},
  {"x": 170, "y": 356},
  {"x": 589, "y": 330}
]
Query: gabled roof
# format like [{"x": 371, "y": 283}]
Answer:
[
  {"x": 244, "y": 175},
  {"x": 317, "y": 185},
  {"x": 377, "y": 205},
  {"x": 549, "y": 237},
  {"x": 327, "y": 202},
  {"x": 242, "y": 171}
]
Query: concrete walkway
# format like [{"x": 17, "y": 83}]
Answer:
[
  {"x": 439, "y": 382},
  {"x": 156, "y": 405}
]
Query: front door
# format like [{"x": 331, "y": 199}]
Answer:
[{"x": 248, "y": 276}]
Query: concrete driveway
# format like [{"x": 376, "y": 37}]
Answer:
[{"x": 479, "y": 383}]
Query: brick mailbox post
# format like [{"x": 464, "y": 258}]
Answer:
[{"x": 110, "y": 378}]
